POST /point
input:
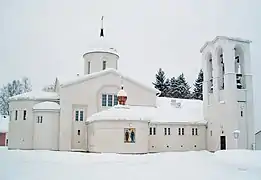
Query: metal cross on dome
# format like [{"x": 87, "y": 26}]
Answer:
[{"x": 102, "y": 32}]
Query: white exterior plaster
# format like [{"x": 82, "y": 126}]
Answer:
[
  {"x": 46, "y": 134},
  {"x": 223, "y": 118},
  {"x": 61, "y": 131}
]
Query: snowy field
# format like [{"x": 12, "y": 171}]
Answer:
[{"x": 47, "y": 165}]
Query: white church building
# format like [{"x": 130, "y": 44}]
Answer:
[{"x": 105, "y": 111}]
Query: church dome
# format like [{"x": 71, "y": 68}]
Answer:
[
  {"x": 122, "y": 93},
  {"x": 101, "y": 45}
]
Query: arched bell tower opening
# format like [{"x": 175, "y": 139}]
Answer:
[
  {"x": 228, "y": 100},
  {"x": 209, "y": 59},
  {"x": 239, "y": 67},
  {"x": 220, "y": 68}
]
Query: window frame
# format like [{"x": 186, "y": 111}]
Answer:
[
  {"x": 104, "y": 101},
  {"x": 110, "y": 101},
  {"x": 89, "y": 67},
  {"x": 24, "y": 114},
  {"x": 104, "y": 64},
  {"x": 76, "y": 115},
  {"x": 16, "y": 115}
]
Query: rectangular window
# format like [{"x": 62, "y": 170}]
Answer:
[
  {"x": 150, "y": 130},
  {"x": 89, "y": 67},
  {"x": 79, "y": 132},
  {"x": 39, "y": 119},
  {"x": 241, "y": 113},
  {"x": 168, "y": 131},
  {"x": 115, "y": 100},
  {"x": 211, "y": 133},
  {"x": 24, "y": 118},
  {"x": 109, "y": 100},
  {"x": 76, "y": 116},
  {"x": 104, "y": 100},
  {"x": 165, "y": 131},
  {"x": 193, "y": 132},
  {"x": 196, "y": 131},
  {"x": 179, "y": 131},
  {"x": 154, "y": 131},
  {"x": 16, "y": 115},
  {"x": 182, "y": 131},
  {"x": 104, "y": 65},
  {"x": 81, "y": 115}
]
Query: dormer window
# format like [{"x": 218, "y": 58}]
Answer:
[{"x": 104, "y": 63}]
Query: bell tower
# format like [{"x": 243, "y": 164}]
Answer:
[
  {"x": 101, "y": 56},
  {"x": 228, "y": 93}
]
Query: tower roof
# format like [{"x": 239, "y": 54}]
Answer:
[{"x": 101, "y": 45}]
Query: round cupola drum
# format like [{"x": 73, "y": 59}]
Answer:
[{"x": 100, "y": 55}]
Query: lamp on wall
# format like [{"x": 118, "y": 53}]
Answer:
[{"x": 236, "y": 134}]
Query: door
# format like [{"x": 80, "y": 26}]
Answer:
[{"x": 222, "y": 142}]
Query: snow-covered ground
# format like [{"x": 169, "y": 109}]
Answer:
[{"x": 47, "y": 165}]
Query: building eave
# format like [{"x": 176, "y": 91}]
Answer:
[
  {"x": 258, "y": 132},
  {"x": 225, "y": 38}
]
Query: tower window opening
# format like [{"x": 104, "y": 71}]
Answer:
[
  {"x": 241, "y": 113},
  {"x": 238, "y": 70},
  {"x": 210, "y": 75},
  {"x": 104, "y": 63},
  {"x": 221, "y": 69},
  {"x": 89, "y": 67}
]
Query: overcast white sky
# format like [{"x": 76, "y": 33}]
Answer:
[{"x": 46, "y": 38}]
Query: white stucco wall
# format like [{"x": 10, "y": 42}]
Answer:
[
  {"x": 46, "y": 134},
  {"x": 21, "y": 131},
  {"x": 108, "y": 136},
  {"x": 224, "y": 117},
  {"x": 88, "y": 94},
  {"x": 258, "y": 140},
  {"x": 96, "y": 61},
  {"x": 175, "y": 142}
]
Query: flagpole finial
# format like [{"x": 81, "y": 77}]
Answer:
[{"x": 102, "y": 31}]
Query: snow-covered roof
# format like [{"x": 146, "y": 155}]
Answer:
[
  {"x": 189, "y": 111},
  {"x": 183, "y": 110},
  {"x": 223, "y": 37},
  {"x": 87, "y": 77},
  {"x": 4, "y": 123},
  {"x": 47, "y": 105},
  {"x": 101, "y": 45},
  {"x": 36, "y": 95},
  {"x": 120, "y": 112}
]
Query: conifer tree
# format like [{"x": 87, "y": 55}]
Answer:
[
  {"x": 183, "y": 88},
  {"x": 173, "y": 90},
  {"x": 198, "y": 87},
  {"x": 161, "y": 83}
]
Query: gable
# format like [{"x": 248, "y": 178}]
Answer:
[{"x": 96, "y": 75}]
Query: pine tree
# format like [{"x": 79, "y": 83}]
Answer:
[
  {"x": 183, "y": 89},
  {"x": 161, "y": 83},
  {"x": 173, "y": 90},
  {"x": 198, "y": 87}
]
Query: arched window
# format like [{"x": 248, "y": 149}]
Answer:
[
  {"x": 221, "y": 68},
  {"x": 239, "y": 67},
  {"x": 210, "y": 73}
]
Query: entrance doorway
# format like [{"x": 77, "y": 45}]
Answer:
[{"x": 222, "y": 142}]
